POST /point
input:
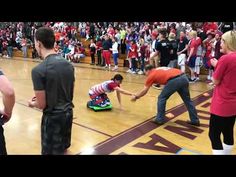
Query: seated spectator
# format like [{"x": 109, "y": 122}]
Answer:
[{"x": 78, "y": 53}]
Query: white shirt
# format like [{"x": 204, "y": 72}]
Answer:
[{"x": 115, "y": 48}]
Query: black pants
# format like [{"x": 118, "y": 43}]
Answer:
[
  {"x": 134, "y": 64},
  {"x": 99, "y": 57},
  {"x": 93, "y": 58},
  {"x": 56, "y": 132},
  {"x": 224, "y": 125},
  {"x": 123, "y": 47},
  {"x": 3, "y": 150}
]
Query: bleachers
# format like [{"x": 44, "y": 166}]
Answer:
[{"x": 122, "y": 57}]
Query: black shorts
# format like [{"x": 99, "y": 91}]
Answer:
[
  {"x": 56, "y": 132},
  {"x": 3, "y": 150}
]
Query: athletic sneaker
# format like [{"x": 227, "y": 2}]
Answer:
[
  {"x": 140, "y": 72},
  {"x": 192, "y": 80},
  {"x": 129, "y": 71},
  {"x": 156, "y": 86},
  {"x": 158, "y": 122},
  {"x": 194, "y": 123}
]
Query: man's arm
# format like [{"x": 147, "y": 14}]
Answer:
[
  {"x": 40, "y": 100},
  {"x": 8, "y": 95},
  {"x": 141, "y": 93},
  {"x": 39, "y": 89}
]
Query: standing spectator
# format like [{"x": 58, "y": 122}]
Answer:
[
  {"x": 180, "y": 28},
  {"x": 115, "y": 52},
  {"x": 99, "y": 51},
  {"x": 182, "y": 42},
  {"x": 154, "y": 60},
  {"x": 217, "y": 53},
  {"x": 8, "y": 97},
  {"x": 106, "y": 54},
  {"x": 24, "y": 46},
  {"x": 173, "y": 53},
  {"x": 9, "y": 47},
  {"x": 163, "y": 48},
  {"x": 53, "y": 82},
  {"x": 133, "y": 54},
  {"x": 208, "y": 43},
  {"x": 122, "y": 39},
  {"x": 223, "y": 104},
  {"x": 142, "y": 53},
  {"x": 117, "y": 36},
  {"x": 92, "y": 31},
  {"x": 192, "y": 53},
  {"x": 92, "y": 48}
]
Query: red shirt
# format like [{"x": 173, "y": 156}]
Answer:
[
  {"x": 99, "y": 44},
  {"x": 134, "y": 53},
  {"x": 223, "y": 101},
  {"x": 194, "y": 43},
  {"x": 210, "y": 27},
  {"x": 161, "y": 75}
]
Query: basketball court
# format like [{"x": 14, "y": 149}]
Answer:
[{"x": 129, "y": 131}]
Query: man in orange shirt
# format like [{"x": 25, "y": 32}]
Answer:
[{"x": 174, "y": 81}]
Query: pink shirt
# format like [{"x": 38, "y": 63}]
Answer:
[{"x": 224, "y": 96}]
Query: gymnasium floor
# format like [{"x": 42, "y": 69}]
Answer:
[{"x": 129, "y": 131}]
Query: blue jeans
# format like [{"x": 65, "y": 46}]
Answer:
[
  {"x": 115, "y": 57},
  {"x": 133, "y": 64},
  {"x": 142, "y": 63},
  {"x": 10, "y": 51},
  {"x": 24, "y": 49},
  {"x": 180, "y": 85}
]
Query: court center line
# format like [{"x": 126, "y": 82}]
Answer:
[
  {"x": 84, "y": 126},
  {"x": 93, "y": 129}
]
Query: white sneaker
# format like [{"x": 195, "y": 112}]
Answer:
[
  {"x": 129, "y": 71},
  {"x": 140, "y": 72},
  {"x": 133, "y": 72},
  {"x": 114, "y": 69}
]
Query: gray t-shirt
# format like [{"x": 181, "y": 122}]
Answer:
[{"x": 55, "y": 75}]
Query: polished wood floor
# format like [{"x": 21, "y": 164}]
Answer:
[{"x": 128, "y": 131}]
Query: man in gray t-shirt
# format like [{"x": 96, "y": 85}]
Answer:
[{"x": 53, "y": 82}]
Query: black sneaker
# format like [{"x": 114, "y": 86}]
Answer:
[
  {"x": 156, "y": 86},
  {"x": 194, "y": 123},
  {"x": 192, "y": 80},
  {"x": 158, "y": 122}
]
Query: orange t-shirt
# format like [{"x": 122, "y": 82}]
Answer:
[{"x": 161, "y": 75}]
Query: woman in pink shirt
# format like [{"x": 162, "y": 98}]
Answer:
[{"x": 223, "y": 104}]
